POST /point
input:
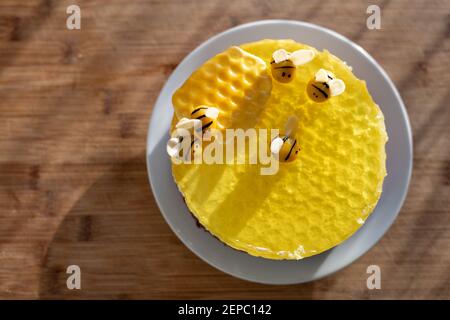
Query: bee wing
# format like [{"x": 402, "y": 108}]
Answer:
[
  {"x": 173, "y": 147},
  {"x": 280, "y": 55},
  {"x": 302, "y": 56},
  {"x": 322, "y": 75},
  {"x": 291, "y": 125},
  {"x": 185, "y": 123},
  {"x": 212, "y": 112},
  {"x": 337, "y": 86},
  {"x": 276, "y": 145},
  {"x": 189, "y": 126}
]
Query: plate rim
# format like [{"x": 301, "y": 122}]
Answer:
[{"x": 355, "y": 46}]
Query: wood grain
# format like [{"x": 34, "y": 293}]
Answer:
[{"x": 74, "y": 108}]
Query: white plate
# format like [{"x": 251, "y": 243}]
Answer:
[{"x": 242, "y": 265}]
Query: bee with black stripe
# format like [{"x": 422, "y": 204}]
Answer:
[
  {"x": 324, "y": 86},
  {"x": 185, "y": 141},
  {"x": 286, "y": 147},
  {"x": 284, "y": 63},
  {"x": 207, "y": 115}
]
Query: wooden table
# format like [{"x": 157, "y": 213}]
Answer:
[{"x": 74, "y": 110}]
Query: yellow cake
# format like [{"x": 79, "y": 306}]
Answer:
[{"x": 312, "y": 203}]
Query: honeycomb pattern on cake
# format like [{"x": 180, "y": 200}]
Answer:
[
  {"x": 237, "y": 82},
  {"x": 313, "y": 203}
]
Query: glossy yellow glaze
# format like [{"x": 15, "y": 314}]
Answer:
[{"x": 313, "y": 203}]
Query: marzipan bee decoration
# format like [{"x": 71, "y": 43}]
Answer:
[
  {"x": 286, "y": 147},
  {"x": 324, "y": 86},
  {"x": 186, "y": 139},
  {"x": 284, "y": 63},
  {"x": 207, "y": 115}
]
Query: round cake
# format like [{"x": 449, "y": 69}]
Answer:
[{"x": 331, "y": 149}]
